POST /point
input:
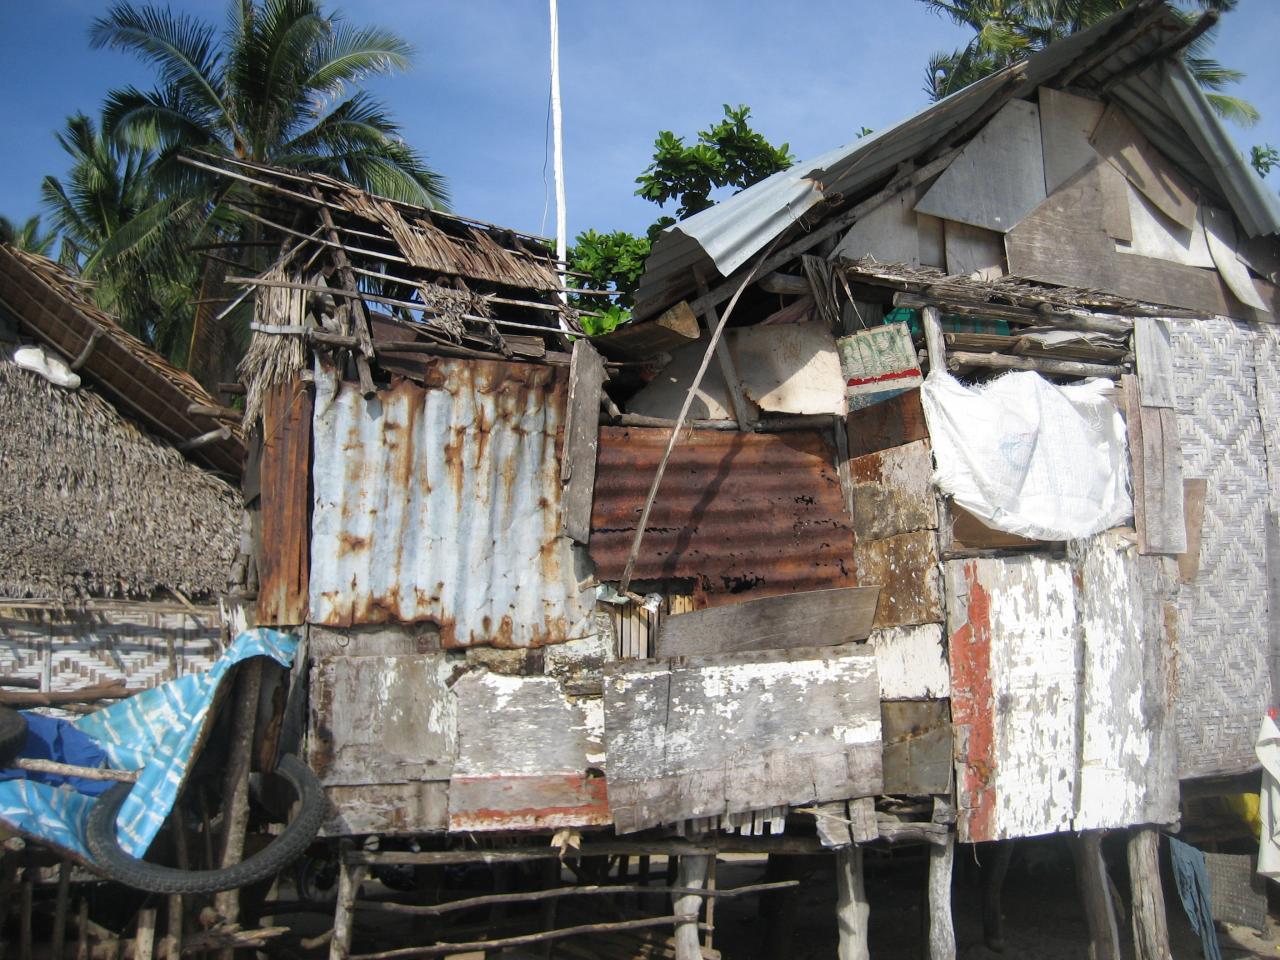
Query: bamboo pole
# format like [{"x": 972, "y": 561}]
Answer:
[
  {"x": 691, "y": 872},
  {"x": 235, "y": 811}
]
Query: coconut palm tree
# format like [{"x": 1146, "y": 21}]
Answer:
[
  {"x": 26, "y": 236},
  {"x": 273, "y": 87},
  {"x": 1008, "y": 30},
  {"x": 121, "y": 232}
]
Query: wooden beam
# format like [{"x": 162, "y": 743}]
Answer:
[
  {"x": 1001, "y": 361},
  {"x": 581, "y": 440},
  {"x": 235, "y": 791},
  {"x": 1150, "y": 925},
  {"x": 784, "y": 284},
  {"x": 806, "y": 619},
  {"x": 934, "y": 342},
  {"x": 852, "y": 907},
  {"x": 942, "y": 934},
  {"x": 350, "y": 876},
  {"x": 1095, "y": 892},
  {"x": 692, "y": 872},
  {"x": 737, "y": 396}
]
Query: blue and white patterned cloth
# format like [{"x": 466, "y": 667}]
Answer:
[{"x": 155, "y": 733}]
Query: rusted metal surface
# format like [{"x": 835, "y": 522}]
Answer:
[
  {"x": 739, "y": 512},
  {"x": 892, "y": 492},
  {"x": 917, "y": 746},
  {"x": 905, "y": 568},
  {"x": 443, "y": 504},
  {"x": 285, "y": 506}
]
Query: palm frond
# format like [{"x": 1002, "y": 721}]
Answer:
[
  {"x": 1234, "y": 109},
  {"x": 354, "y": 54}
]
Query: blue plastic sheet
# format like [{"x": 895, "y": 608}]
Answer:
[{"x": 154, "y": 733}]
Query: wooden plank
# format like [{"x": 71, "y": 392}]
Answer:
[
  {"x": 932, "y": 241},
  {"x": 917, "y": 746},
  {"x": 911, "y": 662},
  {"x": 1118, "y": 141},
  {"x": 1113, "y": 192},
  {"x": 581, "y": 440},
  {"x": 892, "y": 492},
  {"x": 793, "y": 368},
  {"x": 1154, "y": 352},
  {"x": 892, "y": 423},
  {"x": 1164, "y": 526},
  {"x": 853, "y": 909},
  {"x": 1194, "y": 492},
  {"x": 1095, "y": 891},
  {"x": 1155, "y": 235},
  {"x": 1128, "y": 753},
  {"x": 1014, "y": 642},
  {"x": 974, "y": 252},
  {"x": 906, "y": 569},
  {"x": 999, "y": 176},
  {"x": 1133, "y": 434},
  {"x": 528, "y": 756},
  {"x": 387, "y": 809},
  {"x": 1064, "y": 241},
  {"x": 381, "y": 720},
  {"x": 966, "y": 532},
  {"x": 1066, "y": 123},
  {"x": 675, "y": 327},
  {"x": 283, "y": 550},
  {"x": 888, "y": 233},
  {"x": 812, "y": 618},
  {"x": 706, "y": 736}
]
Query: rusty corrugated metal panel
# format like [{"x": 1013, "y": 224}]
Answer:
[
  {"x": 737, "y": 511},
  {"x": 285, "y": 503},
  {"x": 443, "y": 504}
]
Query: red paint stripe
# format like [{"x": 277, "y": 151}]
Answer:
[
  {"x": 896, "y": 375},
  {"x": 972, "y": 705}
]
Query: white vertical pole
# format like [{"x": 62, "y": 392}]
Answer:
[{"x": 562, "y": 244}]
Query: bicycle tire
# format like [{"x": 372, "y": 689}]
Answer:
[{"x": 115, "y": 864}]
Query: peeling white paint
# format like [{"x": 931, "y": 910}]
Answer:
[{"x": 912, "y": 662}]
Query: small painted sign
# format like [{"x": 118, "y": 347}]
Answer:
[{"x": 878, "y": 364}]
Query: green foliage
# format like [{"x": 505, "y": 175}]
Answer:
[
  {"x": 1006, "y": 31},
  {"x": 611, "y": 260},
  {"x": 729, "y": 154},
  {"x": 1264, "y": 158},
  {"x": 26, "y": 236},
  {"x": 610, "y": 318}
]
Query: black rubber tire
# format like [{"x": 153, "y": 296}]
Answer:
[
  {"x": 13, "y": 735},
  {"x": 117, "y": 865}
]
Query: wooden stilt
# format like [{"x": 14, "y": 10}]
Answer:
[
  {"x": 708, "y": 937},
  {"x": 235, "y": 814},
  {"x": 82, "y": 929},
  {"x": 173, "y": 942},
  {"x": 550, "y": 879},
  {"x": 1150, "y": 926},
  {"x": 691, "y": 873},
  {"x": 779, "y": 909},
  {"x": 58, "y": 941},
  {"x": 852, "y": 908},
  {"x": 942, "y": 934},
  {"x": 8, "y": 876},
  {"x": 1104, "y": 937},
  {"x": 144, "y": 942},
  {"x": 993, "y": 874},
  {"x": 350, "y": 876},
  {"x": 24, "y": 928}
]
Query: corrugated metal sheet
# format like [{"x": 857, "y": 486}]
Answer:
[
  {"x": 1166, "y": 105},
  {"x": 740, "y": 512},
  {"x": 443, "y": 504}
]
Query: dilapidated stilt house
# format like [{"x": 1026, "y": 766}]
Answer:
[
  {"x": 928, "y": 498},
  {"x": 118, "y": 524}
]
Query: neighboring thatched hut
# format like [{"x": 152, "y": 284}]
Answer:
[{"x": 115, "y": 544}]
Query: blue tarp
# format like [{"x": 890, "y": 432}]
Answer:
[{"x": 154, "y": 733}]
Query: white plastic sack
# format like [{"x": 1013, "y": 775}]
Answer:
[
  {"x": 1030, "y": 457},
  {"x": 1268, "y": 750}
]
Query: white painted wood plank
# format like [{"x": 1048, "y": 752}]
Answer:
[
  {"x": 974, "y": 252},
  {"x": 1220, "y": 231},
  {"x": 705, "y": 736},
  {"x": 1128, "y": 771},
  {"x": 888, "y": 233},
  {"x": 791, "y": 368},
  {"x": 1013, "y": 645},
  {"x": 1156, "y": 235},
  {"x": 911, "y": 662},
  {"x": 1066, "y": 123},
  {"x": 998, "y": 178},
  {"x": 1154, "y": 353}
]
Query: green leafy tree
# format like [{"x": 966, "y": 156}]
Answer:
[
  {"x": 729, "y": 154},
  {"x": 26, "y": 236},
  {"x": 1006, "y": 31},
  {"x": 1264, "y": 158},
  {"x": 121, "y": 232}
]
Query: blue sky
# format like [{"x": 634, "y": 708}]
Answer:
[{"x": 476, "y": 100}]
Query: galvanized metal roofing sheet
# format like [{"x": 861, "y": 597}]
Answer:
[
  {"x": 740, "y": 512},
  {"x": 443, "y": 504},
  {"x": 1162, "y": 100}
]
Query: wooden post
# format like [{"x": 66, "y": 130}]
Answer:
[
  {"x": 942, "y": 935},
  {"x": 59, "y": 938},
  {"x": 852, "y": 908},
  {"x": 778, "y": 910},
  {"x": 1150, "y": 926},
  {"x": 933, "y": 339},
  {"x": 175, "y": 918},
  {"x": 692, "y": 873},
  {"x": 1091, "y": 875},
  {"x": 737, "y": 398},
  {"x": 144, "y": 942},
  {"x": 82, "y": 929},
  {"x": 24, "y": 929},
  {"x": 235, "y": 791},
  {"x": 350, "y": 876},
  {"x": 993, "y": 874},
  {"x": 707, "y": 940}
]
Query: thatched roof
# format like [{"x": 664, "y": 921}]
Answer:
[
  {"x": 90, "y": 505},
  {"x": 51, "y": 306}
]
